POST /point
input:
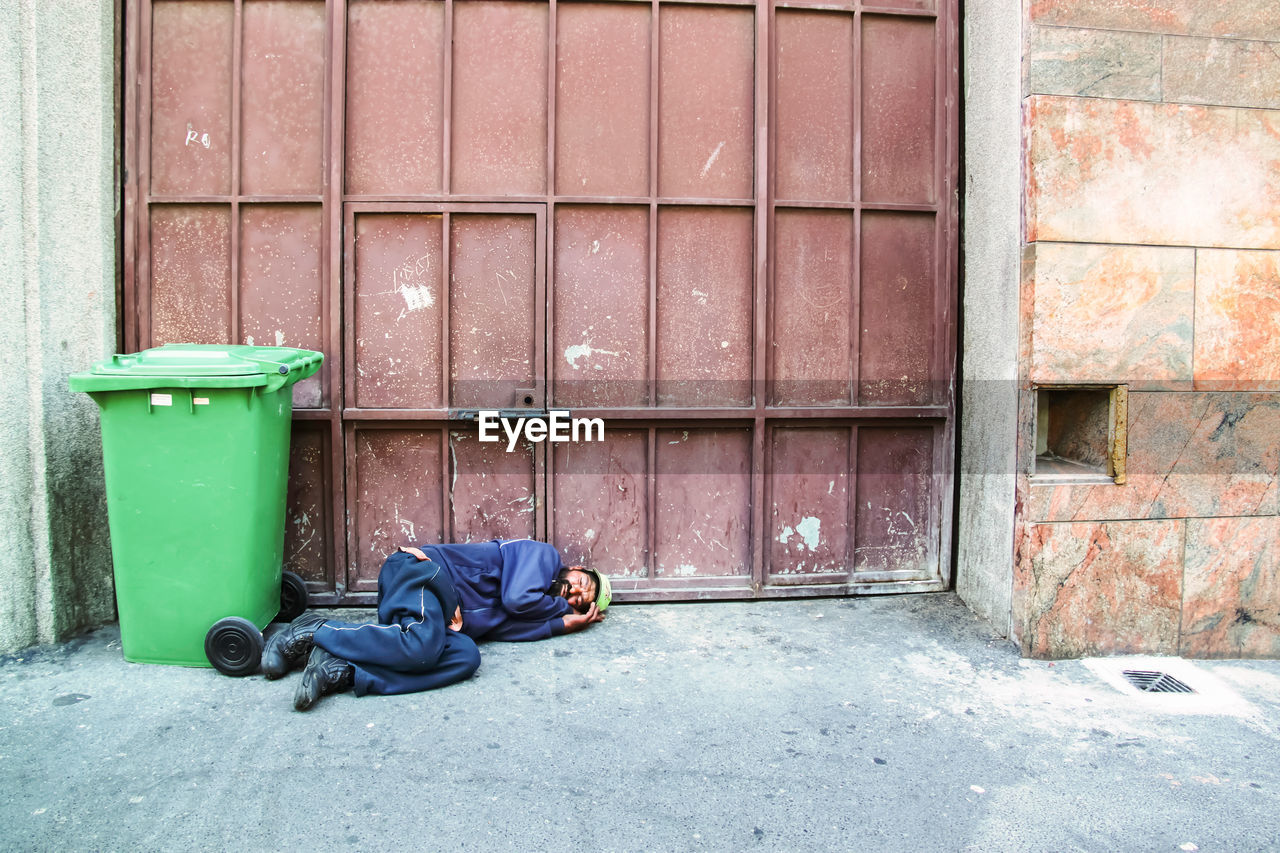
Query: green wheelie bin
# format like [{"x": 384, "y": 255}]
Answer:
[{"x": 195, "y": 447}]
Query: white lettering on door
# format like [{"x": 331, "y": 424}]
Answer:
[{"x": 556, "y": 426}]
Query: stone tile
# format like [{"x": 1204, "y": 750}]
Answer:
[
  {"x": 1237, "y": 18},
  {"x": 1026, "y": 307},
  {"x": 1112, "y": 314},
  {"x": 1231, "y": 72},
  {"x": 1098, "y": 63},
  {"x": 1190, "y": 455},
  {"x": 1104, "y": 171},
  {"x": 1237, "y": 334},
  {"x": 1231, "y": 594},
  {"x": 1099, "y": 588},
  {"x": 1026, "y": 433}
]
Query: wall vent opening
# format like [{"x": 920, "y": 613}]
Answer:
[{"x": 1081, "y": 434}]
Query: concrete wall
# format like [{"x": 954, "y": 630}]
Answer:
[
  {"x": 58, "y": 265},
  {"x": 1152, "y": 259},
  {"x": 991, "y": 211}
]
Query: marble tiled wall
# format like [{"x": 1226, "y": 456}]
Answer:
[{"x": 1152, "y": 258}]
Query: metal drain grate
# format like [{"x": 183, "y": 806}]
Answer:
[{"x": 1155, "y": 682}]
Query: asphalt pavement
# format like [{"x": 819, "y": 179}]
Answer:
[{"x": 894, "y": 723}]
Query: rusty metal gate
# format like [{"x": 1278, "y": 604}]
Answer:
[{"x": 726, "y": 229}]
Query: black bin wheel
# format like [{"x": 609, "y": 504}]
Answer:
[
  {"x": 234, "y": 646},
  {"x": 293, "y": 597}
]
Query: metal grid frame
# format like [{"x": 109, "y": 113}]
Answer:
[{"x": 337, "y": 419}]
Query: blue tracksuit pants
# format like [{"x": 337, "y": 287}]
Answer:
[{"x": 411, "y": 648}]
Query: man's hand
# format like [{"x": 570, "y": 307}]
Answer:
[{"x": 576, "y": 621}]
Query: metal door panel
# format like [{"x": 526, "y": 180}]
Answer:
[
  {"x": 492, "y": 492},
  {"x": 394, "y": 96},
  {"x": 407, "y": 328},
  {"x": 704, "y": 306},
  {"x": 602, "y": 99},
  {"x": 282, "y": 97},
  {"x": 809, "y": 533},
  {"x": 895, "y": 529},
  {"x": 499, "y": 107},
  {"x": 702, "y": 504},
  {"x": 493, "y": 297},
  {"x": 308, "y": 530},
  {"x": 226, "y": 239},
  {"x": 813, "y": 307},
  {"x": 280, "y": 283},
  {"x": 190, "y": 274},
  {"x": 898, "y": 109},
  {"x": 728, "y": 228},
  {"x": 600, "y": 355},
  {"x": 881, "y": 6},
  {"x": 906, "y": 5},
  {"x": 398, "y": 296},
  {"x": 394, "y": 483},
  {"x": 897, "y": 289},
  {"x": 601, "y": 503},
  {"x": 814, "y": 119},
  {"x": 191, "y": 58},
  {"x": 707, "y": 102}
]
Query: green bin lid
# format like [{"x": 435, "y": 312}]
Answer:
[{"x": 200, "y": 366}]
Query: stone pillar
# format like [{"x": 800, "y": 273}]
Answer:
[
  {"x": 58, "y": 283},
  {"x": 992, "y": 51}
]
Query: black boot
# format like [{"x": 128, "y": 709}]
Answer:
[
  {"x": 324, "y": 674},
  {"x": 288, "y": 648}
]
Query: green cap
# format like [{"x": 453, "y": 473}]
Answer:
[{"x": 604, "y": 594}]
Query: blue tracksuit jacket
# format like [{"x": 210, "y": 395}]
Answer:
[{"x": 503, "y": 586}]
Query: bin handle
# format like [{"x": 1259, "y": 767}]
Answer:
[
  {"x": 276, "y": 382},
  {"x": 279, "y": 367},
  {"x": 282, "y": 369}
]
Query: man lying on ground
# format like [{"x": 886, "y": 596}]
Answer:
[{"x": 434, "y": 602}]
